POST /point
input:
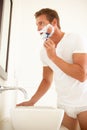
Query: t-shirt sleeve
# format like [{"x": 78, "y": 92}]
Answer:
[{"x": 81, "y": 45}]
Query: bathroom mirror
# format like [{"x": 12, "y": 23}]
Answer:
[{"x": 5, "y": 27}]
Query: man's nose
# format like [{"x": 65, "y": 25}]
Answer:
[{"x": 39, "y": 28}]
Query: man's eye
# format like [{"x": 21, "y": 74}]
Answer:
[
  {"x": 41, "y": 33},
  {"x": 41, "y": 23}
]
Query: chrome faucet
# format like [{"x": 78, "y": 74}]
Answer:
[{"x": 4, "y": 88}]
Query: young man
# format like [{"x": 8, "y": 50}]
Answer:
[{"x": 64, "y": 56}]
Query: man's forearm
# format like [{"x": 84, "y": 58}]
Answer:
[
  {"x": 73, "y": 70},
  {"x": 42, "y": 89}
]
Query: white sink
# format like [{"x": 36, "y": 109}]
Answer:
[{"x": 36, "y": 118}]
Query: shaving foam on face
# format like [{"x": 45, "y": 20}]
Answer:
[{"x": 46, "y": 32}]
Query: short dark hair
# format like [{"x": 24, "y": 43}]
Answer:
[{"x": 50, "y": 15}]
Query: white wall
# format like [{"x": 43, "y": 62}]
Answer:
[{"x": 25, "y": 67}]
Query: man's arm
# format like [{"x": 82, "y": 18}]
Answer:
[
  {"x": 42, "y": 89},
  {"x": 77, "y": 70}
]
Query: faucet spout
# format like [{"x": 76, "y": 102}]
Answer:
[{"x": 5, "y": 88}]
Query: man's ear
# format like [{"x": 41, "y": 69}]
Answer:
[{"x": 54, "y": 22}]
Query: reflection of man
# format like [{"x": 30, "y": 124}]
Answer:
[{"x": 64, "y": 56}]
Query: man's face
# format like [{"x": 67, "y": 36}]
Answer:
[
  {"x": 41, "y": 22},
  {"x": 45, "y": 29}
]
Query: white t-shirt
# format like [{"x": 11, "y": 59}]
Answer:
[{"x": 70, "y": 91}]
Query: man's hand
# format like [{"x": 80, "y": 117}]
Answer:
[
  {"x": 26, "y": 103},
  {"x": 50, "y": 48}
]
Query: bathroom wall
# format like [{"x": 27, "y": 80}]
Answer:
[{"x": 25, "y": 67}]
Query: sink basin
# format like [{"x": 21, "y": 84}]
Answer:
[{"x": 36, "y": 118}]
